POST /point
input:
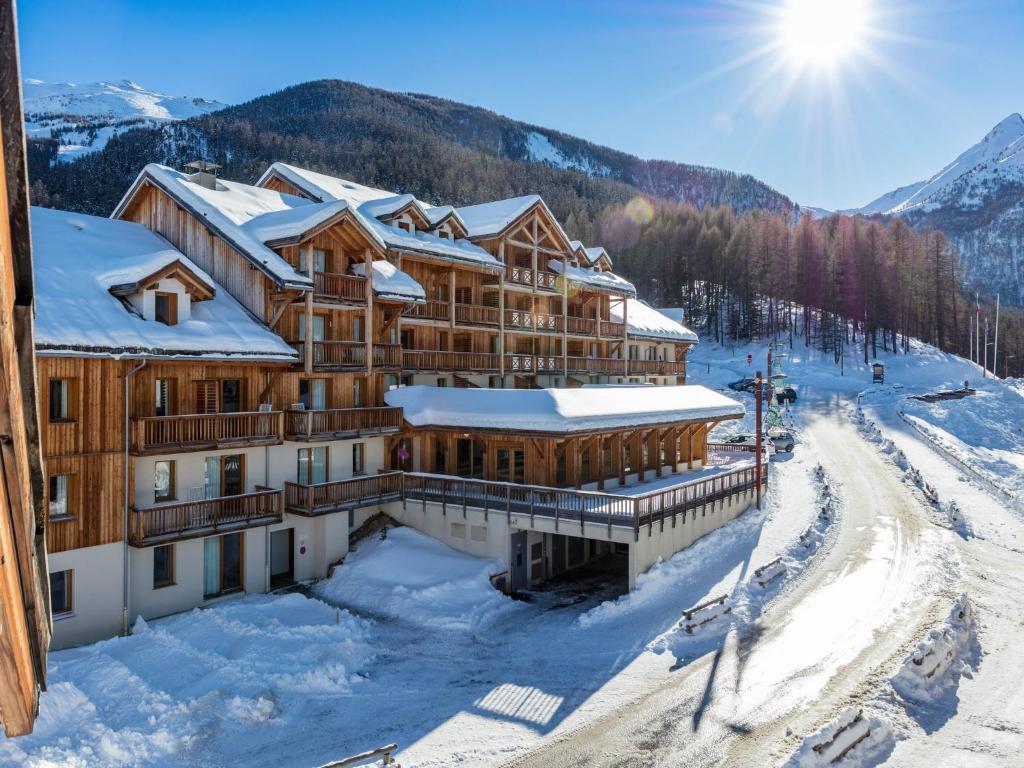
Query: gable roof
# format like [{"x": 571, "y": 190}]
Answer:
[
  {"x": 559, "y": 411},
  {"x": 607, "y": 281},
  {"x": 79, "y": 258},
  {"x": 291, "y": 225},
  {"x": 486, "y": 220},
  {"x": 646, "y": 322},
  {"x": 389, "y": 282},
  {"x": 370, "y": 203},
  {"x": 198, "y": 284}
]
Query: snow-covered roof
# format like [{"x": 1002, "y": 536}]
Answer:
[
  {"x": 372, "y": 202},
  {"x": 608, "y": 281},
  {"x": 596, "y": 252},
  {"x": 438, "y": 213},
  {"x": 645, "y": 321},
  {"x": 559, "y": 410},
  {"x": 389, "y": 282},
  {"x": 292, "y": 224},
  {"x": 79, "y": 258}
]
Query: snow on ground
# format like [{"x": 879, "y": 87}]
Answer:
[{"x": 404, "y": 574}]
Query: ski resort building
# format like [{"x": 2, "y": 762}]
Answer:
[{"x": 235, "y": 378}]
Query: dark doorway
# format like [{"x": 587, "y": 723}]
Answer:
[
  {"x": 520, "y": 571},
  {"x": 282, "y": 558}
]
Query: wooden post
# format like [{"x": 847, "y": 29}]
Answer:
[
  {"x": 757, "y": 434},
  {"x": 308, "y": 346},
  {"x": 369, "y": 330},
  {"x": 625, "y": 335},
  {"x": 600, "y": 461},
  {"x": 617, "y": 457},
  {"x": 565, "y": 313},
  {"x": 501, "y": 313}
]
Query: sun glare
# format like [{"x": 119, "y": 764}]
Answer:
[{"x": 822, "y": 33}]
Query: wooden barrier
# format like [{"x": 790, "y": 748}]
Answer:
[{"x": 384, "y": 752}]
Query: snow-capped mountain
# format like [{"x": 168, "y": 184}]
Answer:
[
  {"x": 82, "y": 118},
  {"x": 978, "y": 201}
]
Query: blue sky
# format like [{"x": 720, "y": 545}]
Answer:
[{"x": 679, "y": 81}]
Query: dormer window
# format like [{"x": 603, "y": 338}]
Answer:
[
  {"x": 165, "y": 308},
  {"x": 445, "y": 232}
]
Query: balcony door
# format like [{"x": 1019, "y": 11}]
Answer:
[
  {"x": 223, "y": 396},
  {"x": 222, "y": 564},
  {"x": 224, "y": 476},
  {"x": 511, "y": 465}
]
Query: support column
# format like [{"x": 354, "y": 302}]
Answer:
[
  {"x": 369, "y": 329},
  {"x": 565, "y": 313},
  {"x": 307, "y": 347},
  {"x": 501, "y": 312}
]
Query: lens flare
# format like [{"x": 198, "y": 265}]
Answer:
[
  {"x": 822, "y": 33},
  {"x": 640, "y": 210}
]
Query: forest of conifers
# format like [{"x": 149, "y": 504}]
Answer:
[{"x": 846, "y": 284}]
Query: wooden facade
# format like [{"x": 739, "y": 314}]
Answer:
[{"x": 24, "y": 607}]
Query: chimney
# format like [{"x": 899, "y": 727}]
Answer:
[{"x": 204, "y": 173}]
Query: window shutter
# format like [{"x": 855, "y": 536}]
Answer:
[{"x": 206, "y": 397}]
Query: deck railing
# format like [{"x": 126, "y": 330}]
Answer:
[
  {"x": 168, "y": 522},
  {"x": 349, "y": 354},
  {"x": 612, "y": 329},
  {"x": 581, "y": 326},
  {"x": 339, "y": 286},
  {"x": 439, "y": 360},
  {"x": 323, "y": 498},
  {"x": 197, "y": 432},
  {"x": 524, "y": 276},
  {"x": 432, "y": 310},
  {"x": 477, "y": 314},
  {"x": 334, "y": 423}
]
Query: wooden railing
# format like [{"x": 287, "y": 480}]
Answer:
[
  {"x": 581, "y": 326},
  {"x": 339, "y": 286},
  {"x": 439, "y": 360},
  {"x": 432, "y": 310},
  {"x": 516, "y": 363},
  {"x": 612, "y": 329},
  {"x": 196, "y": 432},
  {"x": 658, "y": 367},
  {"x": 322, "y": 498},
  {"x": 334, "y": 423},
  {"x": 477, "y": 314},
  {"x": 545, "y": 323},
  {"x": 349, "y": 354},
  {"x": 524, "y": 276},
  {"x": 519, "y": 319},
  {"x": 168, "y": 522},
  {"x": 606, "y": 365},
  {"x": 574, "y": 506}
]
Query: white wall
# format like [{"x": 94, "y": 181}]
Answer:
[{"x": 96, "y": 594}]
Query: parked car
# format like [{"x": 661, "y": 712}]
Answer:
[
  {"x": 746, "y": 384},
  {"x": 782, "y": 394},
  {"x": 751, "y": 440},
  {"x": 782, "y": 440}
]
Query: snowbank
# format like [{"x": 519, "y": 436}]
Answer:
[
  {"x": 933, "y": 669},
  {"x": 853, "y": 740},
  {"x": 409, "y": 576}
]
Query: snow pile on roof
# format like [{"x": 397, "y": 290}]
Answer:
[
  {"x": 412, "y": 577},
  {"x": 182, "y": 690},
  {"x": 226, "y": 209},
  {"x": 559, "y": 410},
  {"x": 491, "y": 218},
  {"x": 647, "y": 322},
  {"x": 596, "y": 253},
  {"x": 78, "y": 258},
  {"x": 389, "y": 282},
  {"x": 608, "y": 281},
  {"x": 292, "y": 223},
  {"x": 372, "y": 202}
]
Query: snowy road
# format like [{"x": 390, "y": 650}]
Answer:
[{"x": 837, "y": 631}]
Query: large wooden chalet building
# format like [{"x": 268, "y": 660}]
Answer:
[{"x": 234, "y": 377}]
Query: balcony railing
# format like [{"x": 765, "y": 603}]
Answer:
[
  {"x": 200, "y": 432},
  {"x": 334, "y": 285},
  {"x": 524, "y": 276},
  {"x": 323, "y": 498},
  {"x": 516, "y": 363},
  {"x": 432, "y": 310},
  {"x": 612, "y": 330},
  {"x": 477, "y": 314},
  {"x": 349, "y": 354},
  {"x": 518, "y": 319},
  {"x": 439, "y": 360},
  {"x": 336, "y": 423},
  {"x": 581, "y": 326},
  {"x": 170, "y": 522},
  {"x": 658, "y": 367}
]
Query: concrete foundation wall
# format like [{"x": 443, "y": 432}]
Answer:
[{"x": 96, "y": 594}]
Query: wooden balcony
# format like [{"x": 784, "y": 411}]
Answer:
[
  {"x": 658, "y": 367},
  {"x": 334, "y": 286},
  {"x": 173, "y": 522},
  {"x": 525, "y": 276},
  {"x": 477, "y": 314},
  {"x": 439, "y": 360},
  {"x": 341, "y": 423},
  {"x": 595, "y": 365},
  {"x": 533, "y": 322},
  {"x": 203, "y": 432},
  {"x": 612, "y": 330},
  {"x": 339, "y": 355},
  {"x": 432, "y": 310},
  {"x": 339, "y": 495},
  {"x": 581, "y": 326}
]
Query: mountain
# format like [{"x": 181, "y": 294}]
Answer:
[
  {"x": 438, "y": 149},
  {"x": 83, "y": 118},
  {"x": 977, "y": 200}
]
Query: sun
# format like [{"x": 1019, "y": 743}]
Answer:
[{"x": 822, "y": 33}]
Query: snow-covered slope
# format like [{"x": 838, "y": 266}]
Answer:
[
  {"x": 82, "y": 118},
  {"x": 978, "y": 201}
]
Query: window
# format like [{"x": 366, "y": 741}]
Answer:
[
  {"x": 230, "y": 396},
  {"x": 440, "y": 457},
  {"x": 166, "y": 308},
  {"x": 163, "y": 403},
  {"x": 222, "y": 564},
  {"x": 163, "y": 481},
  {"x": 358, "y": 458},
  {"x": 60, "y": 592},
  {"x": 60, "y": 400},
  {"x": 59, "y": 493},
  {"x": 312, "y": 465},
  {"x": 224, "y": 476},
  {"x": 313, "y": 394},
  {"x": 357, "y": 329},
  {"x": 319, "y": 260},
  {"x": 511, "y": 466},
  {"x": 357, "y": 392},
  {"x": 318, "y": 328},
  {"x": 464, "y": 295},
  {"x": 163, "y": 566},
  {"x": 442, "y": 382},
  {"x": 469, "y": 458}
]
